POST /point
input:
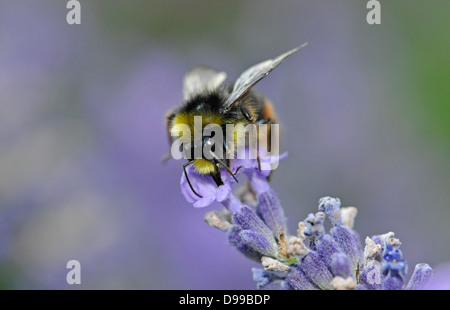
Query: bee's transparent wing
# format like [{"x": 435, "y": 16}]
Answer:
[
  {"x": 201, "y": 78},
  {"x": 253, "y": 75}
]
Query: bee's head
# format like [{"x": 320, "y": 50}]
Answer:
[{"x": 206, "y": 148}]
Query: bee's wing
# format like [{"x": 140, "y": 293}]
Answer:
[
  {"x": 201, "y": 78},
  {"x": 253, "y": 75}
]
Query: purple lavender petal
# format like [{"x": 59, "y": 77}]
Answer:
[
  {"x": 258, "y": 178},
  {"x": 259, "y": 182},
  {"x": 202, "y": 184},
  {"x": 393, "y": 262},
  {"x": 204, "y": 202},
  {"x": 205, "y": 186},
  {"x": 243, "y": 163},
  {"x": 250, "y": 166},
  {"x": 421, "y": 277},
  {"x": 269, "y": 209}
]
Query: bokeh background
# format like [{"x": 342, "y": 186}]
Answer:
[{"x": 364, "y": 109}]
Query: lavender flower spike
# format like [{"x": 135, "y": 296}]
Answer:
[{"x": 314, "y": 258}]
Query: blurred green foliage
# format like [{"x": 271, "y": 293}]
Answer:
[{"x": 426, "y": 31}]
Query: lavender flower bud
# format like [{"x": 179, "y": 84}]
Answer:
[
  {"x": 420, "y": 278},
  {"x": 269, "y": 209},
  {"x": 298, "y": 280},
  {"x": 260, "y": 243},
  {"x": 349, "y": 243},
  {"x": 327, "y": 247},
  {"x": 317, "y": 271},
  {"x": 314, "y": 225},
  {"x": 331, "y": 207},
  {"x": 235, "y": 239},
  {"x": 392, "y": 282},
  {"x": 340, "y": 265},
  {"x": 247, "y": 219}
]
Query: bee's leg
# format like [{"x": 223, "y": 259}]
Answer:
[
  {"x": 259, "y": 161},
  {"x": 216, "y": 176},
  {"x": 169, "y": 118},
  {"x": 187, "y": 178}
]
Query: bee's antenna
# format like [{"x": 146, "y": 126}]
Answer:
[{"x": 187, "y": 178}]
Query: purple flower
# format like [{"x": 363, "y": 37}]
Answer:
[
  {"x": 256, "y": 232},
  {"x": 314, "y": 258},
  {"x": 205, "y": 186}
]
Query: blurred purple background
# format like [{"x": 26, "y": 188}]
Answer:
[{"x": 364, "y": 112}]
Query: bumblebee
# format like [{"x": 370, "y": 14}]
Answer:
[{"x": 206, "y": 94}]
